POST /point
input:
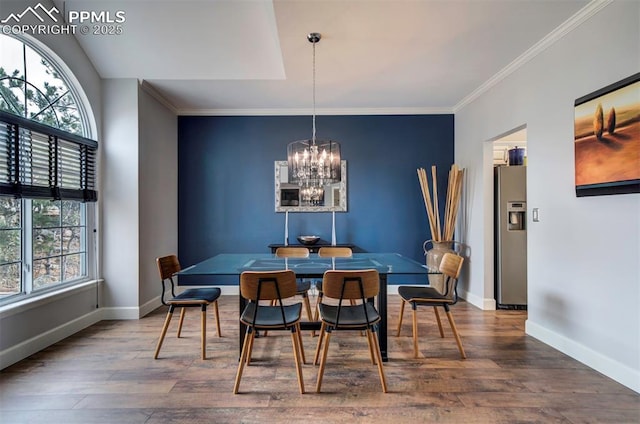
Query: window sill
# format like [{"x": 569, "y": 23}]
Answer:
[{"x": 34, "y": 301}]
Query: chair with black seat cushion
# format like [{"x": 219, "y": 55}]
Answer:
[
  {"x": 270, "y": 285},
  {"x": 168, "y": 266},
  {"x": 428, "y": 296},
  {"x": 361, "y": 285},
  {"x": 330, "y": 252},
  {"x": 302, "y": 286}
]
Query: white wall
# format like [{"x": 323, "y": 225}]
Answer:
[
  {"x": 28, "y": 327},
  {"x": 119, "y": 195},
  {"x": 139, "y": 197},
  {"x": 158, "y": 191},
  {"x": 584, "y": 254}
]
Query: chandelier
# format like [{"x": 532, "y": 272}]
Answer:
[{"x": 313, "y": 163}]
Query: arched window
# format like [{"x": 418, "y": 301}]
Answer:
[
  {"x": 31, "y": 86},
  {"x": 47, "y": 170}
]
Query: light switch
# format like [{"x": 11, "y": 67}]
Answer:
[{"x": 535, "y": 214}]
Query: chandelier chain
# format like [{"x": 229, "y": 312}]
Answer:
[
  {"x": 313, "y": 138},
  {"x": 314, "y": 164}
]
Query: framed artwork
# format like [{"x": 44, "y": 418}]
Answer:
[{"x": 607, "y": 139}]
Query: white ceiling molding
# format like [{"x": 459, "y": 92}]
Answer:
[
  {"x": 569, "y": 25},
  {"x": 252, "y": 58},
  {"x": 308, "y": 112},
  {"x": 150, "y": 89}
]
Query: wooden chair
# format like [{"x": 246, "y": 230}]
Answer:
[
  {"x": 330, "y": 252},
  {"x": 428, "y": 296},
  {"x": 302, "y": 286},
  {"x": 335, "y": 252},
  {"x": 350, "y": 285},
  {"x": 270, "y": 285},
  {"x": 168, "y": 266}
]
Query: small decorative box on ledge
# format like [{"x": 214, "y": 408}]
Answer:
[{"x": 313, "y": 248}]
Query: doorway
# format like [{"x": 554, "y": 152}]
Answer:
[
  {"x": 502, "y": 145},
  {"x": 497, "y": 155}
]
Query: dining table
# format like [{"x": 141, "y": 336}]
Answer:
[{"x": 314, "y": 267}]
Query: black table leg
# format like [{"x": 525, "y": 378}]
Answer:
[{"x": 382, "y": 310}]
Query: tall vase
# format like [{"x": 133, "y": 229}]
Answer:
[{"x": 434, "y": 257}]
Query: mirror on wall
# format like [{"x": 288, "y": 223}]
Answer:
[{"x": 289, "y": 198}]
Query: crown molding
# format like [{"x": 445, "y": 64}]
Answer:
[
  {"x": 566, "y": 27},
  {"x": 308, "y": 112},
  {"x": 153, "y": 92}
]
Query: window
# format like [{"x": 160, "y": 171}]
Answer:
[
  {"x": 32, "y": 87},
  {"x": 58, "y": 242},
  {"x": 47, "y": 174},
  {"x": 10, "y": 246}
]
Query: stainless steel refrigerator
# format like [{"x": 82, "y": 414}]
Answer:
[{"x": 510, "y": 193}]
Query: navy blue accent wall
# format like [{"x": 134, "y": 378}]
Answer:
[{"x": 226, "y": 184}]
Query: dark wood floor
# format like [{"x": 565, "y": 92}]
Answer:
[{"x": 107, "y": 374}]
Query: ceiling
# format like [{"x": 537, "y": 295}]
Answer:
[{"x": 375, "y": 56}]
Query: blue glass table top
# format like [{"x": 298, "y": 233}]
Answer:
[
  {"x": 236, "y": 263},
  {"x": 313, "y": 267}
]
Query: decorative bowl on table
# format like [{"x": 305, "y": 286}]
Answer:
[{"x": 308, "y": 240}]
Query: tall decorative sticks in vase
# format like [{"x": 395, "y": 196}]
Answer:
[{"x": 442, "y": 231}]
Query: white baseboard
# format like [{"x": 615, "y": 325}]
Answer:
[
  {"x": 149, "y": 307},
  {"x": 27, "y": 348},
  {"x": 35, "y": 344},
  {"x": 477, "y": 301},
  {"x": 612, "y": 369},
  {"x": 230, "y": 290},
  {"x": 135, "y": 312},
  {"x": 120, "y": 313},
  {"x": 392, "y": 289}
]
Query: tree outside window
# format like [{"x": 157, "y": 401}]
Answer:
[
  {"x": 42, "y": 242},
  {"x": 10, "y": 246}
]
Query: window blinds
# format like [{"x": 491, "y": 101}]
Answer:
[{"x": 42, "y": 162}]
